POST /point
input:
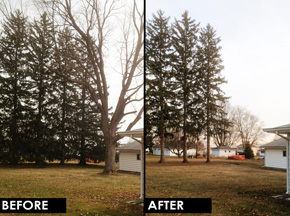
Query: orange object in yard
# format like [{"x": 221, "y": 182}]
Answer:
[{"x": 237, "y": 157}]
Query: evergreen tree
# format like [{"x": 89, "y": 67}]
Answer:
[
  {"x": 87, "y": 139},
  {"x": 184, "y": 41},
  {"x": 209, "y": 68},
  {"x": 44, "y": 92},
  {"x": 14, "y": 88},
  {"x": 249, "y": 154},
  {"x": 68, "y": 95},
  {"x": 158, "y": 49}
]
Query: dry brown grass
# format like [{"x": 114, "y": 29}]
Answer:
[
  {"x": 236, "y": 187},
  {"x": 87, "y": 190}
]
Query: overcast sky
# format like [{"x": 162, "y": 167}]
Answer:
[{"x": 255, "y": 40}]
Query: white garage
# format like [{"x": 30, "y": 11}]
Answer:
[{"x": 223, "y": 151}]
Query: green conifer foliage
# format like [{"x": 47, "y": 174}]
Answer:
[
  {"x": 249, "y": 154},
  {"x": 184, "y": 41},
  {"x": 209, "y": 68},
  {"x": 14, "y": 88},
  {"x": 43, "y": 92},
  {"x": 158, "y": 89}
]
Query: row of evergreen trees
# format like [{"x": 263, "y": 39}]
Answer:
[
  {"x": 42, "y": 115},
  {"x": 183, "y": 80}
]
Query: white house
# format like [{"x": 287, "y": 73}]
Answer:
[
  {"x": 223, "y": 151},
  {"x": 275, "y": 154},
  {"x": 130, "y": 157},
  {"x": 157, "y": 151}
]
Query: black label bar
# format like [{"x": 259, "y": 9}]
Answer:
[
  {"x": 177, "y": 205},
  {"x": 33, "y": 205}
]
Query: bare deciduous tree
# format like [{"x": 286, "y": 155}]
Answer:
[
  {"x": 90, "y": 20},
  {"x": 225, "y": 131},
  {"x": 248, "y": 125}
]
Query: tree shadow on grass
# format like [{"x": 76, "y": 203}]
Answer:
[{"x": 49, "y": 165}]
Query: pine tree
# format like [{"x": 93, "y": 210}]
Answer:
[
  {"x": 184, "y": 41},
  {"x": 14, "y": 88},
  {"x": 158, "y": 49},
  {"x": 43, "y": 94},
  {"x": 209, "y": 68},
  {"x": 68, "y": 95}
]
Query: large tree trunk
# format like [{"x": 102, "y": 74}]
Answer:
[
  {"x": 109, "y": 130},
  {"x": 197, "y": 138},
  {"x": 208, "y": 138},
  {"x": 83, "y": 141},
  {"x": 63, "y": 119},
  {"x": 110, "y": 154},
  {"x": 185, "y": 160},
  {"x": 162, "y": 140}
]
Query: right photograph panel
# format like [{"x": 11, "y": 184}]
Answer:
[{"x": 217, "y": 110}]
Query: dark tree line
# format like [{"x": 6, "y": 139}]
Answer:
[
  {"x": 43, "y": 116},
  {"x": 183, "y": 80}
]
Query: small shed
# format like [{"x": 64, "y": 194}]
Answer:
[
  {"x": 223, "y": 151},
  {"x": 130, "y": 157},
  {"x": 137, "y": 134},
  {"x": 275, "y": 154}
]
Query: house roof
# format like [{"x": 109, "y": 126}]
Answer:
[
  {"x": 133, "y": 146},
  {"x": 280, "y": 143},
  {"x": 283, "y": 129},
  {"x": 224, "y": 147}
]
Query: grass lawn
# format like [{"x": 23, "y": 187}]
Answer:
[
  {"x": 87, "y": 190},
  {"x": 236, "y": 187}
]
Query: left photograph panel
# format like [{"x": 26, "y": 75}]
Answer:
[{"x": 72, "y": 107}]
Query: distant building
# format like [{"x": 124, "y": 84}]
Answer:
[
  {"x": 157, "y": 151},
  {"x": 261, "y": 152},
  {"x": 275, "y": 154},
  {"x": 173, "y": 152},
  {"x": 223, "y": 151}
]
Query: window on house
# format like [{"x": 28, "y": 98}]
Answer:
[
  {"x": 138, "y": 157},
  {"x": 284, "y": 153},
  {"x": 229, "y": 151},
  {"x": 225, "y": 150}
]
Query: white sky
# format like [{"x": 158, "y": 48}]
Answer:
[{"x": 255, "y": 40}]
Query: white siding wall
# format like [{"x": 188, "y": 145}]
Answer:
[
  {"x": 157, "y": 151},
  {"x": 274, "y": 158},
  {"x": 223, "y": 152},
  {"x": 128, "y": 162}
]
